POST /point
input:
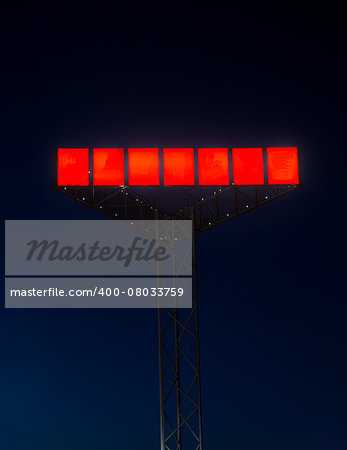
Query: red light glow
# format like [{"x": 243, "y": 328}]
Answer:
[
  {"x": 73, "y": 167},
  {"x": 178, "y": 166},
  {"x": 248, "y": 166},
  {"x": 108, "y": 166},
  {"x": 213, "y": 166},
  {"x": 143, "y": 166},
  {"x": 282, "y": 165}
]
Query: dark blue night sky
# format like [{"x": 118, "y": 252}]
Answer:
[{"x": 272, "y": 291}]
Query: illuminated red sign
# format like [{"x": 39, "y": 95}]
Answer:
[
  {"x": 143, "y": 166},
  {"x": 108, "y": 166},
  {"x": 248, "y": 166},
  {"x": 178, "y": 166},
  {"x": 211, "y": 166},
  {"x": 282, "y": 163},
  {"x": 73, "y": 167}
]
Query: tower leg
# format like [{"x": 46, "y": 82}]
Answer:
[{"x": 179, "y": 371}]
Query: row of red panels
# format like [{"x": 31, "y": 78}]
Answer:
[{"x": 178, "y": 166}]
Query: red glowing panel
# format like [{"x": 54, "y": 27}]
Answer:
[
  {"x": 178, "y": 166},
  {"x": 282, "y": 163},
  {"x": 248, "y": 166},
  {"x": 108, "y": 166},
  {"x": 213, "y": 166},
  {"x": 73, "y": 167},
  {"x": 143, "y": 166}
]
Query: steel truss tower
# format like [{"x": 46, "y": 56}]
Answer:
[
  {"x": 179, "y": 357},
  {"x": 180, "y": 396}
]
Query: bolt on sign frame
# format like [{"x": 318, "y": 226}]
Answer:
[{"x": 206, "y": 185}]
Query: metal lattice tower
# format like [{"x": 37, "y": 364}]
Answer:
[{"x": 179, "y": 357}]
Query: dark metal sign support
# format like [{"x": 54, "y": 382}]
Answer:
[{"x": 179, "y": 355}]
